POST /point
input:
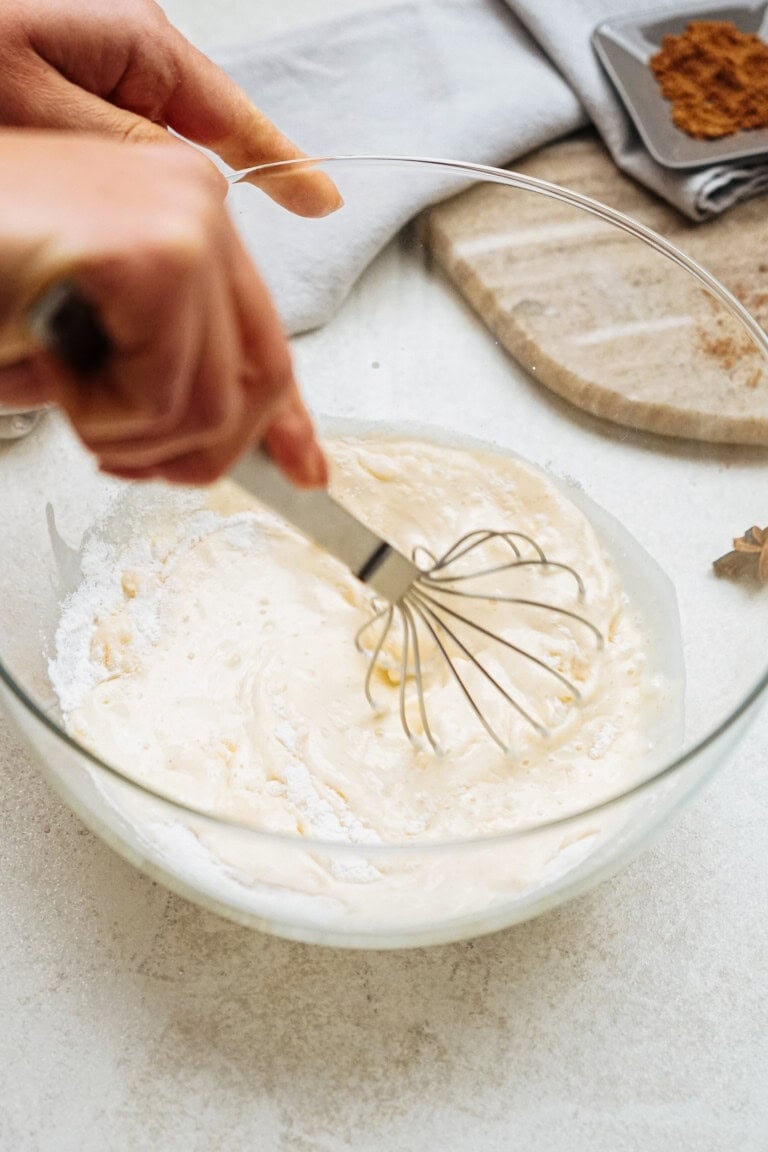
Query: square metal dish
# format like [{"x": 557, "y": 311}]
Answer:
[{"x": 625, "y": 47}]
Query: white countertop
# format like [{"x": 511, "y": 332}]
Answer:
[{"x": 634, "y": 1018}]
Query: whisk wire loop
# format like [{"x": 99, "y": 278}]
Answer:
[
  {"x": 502, "y": 640},
  {"x": 424, "y": 603}
]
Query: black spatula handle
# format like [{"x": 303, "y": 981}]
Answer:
[{"x": 66, "y": 322}]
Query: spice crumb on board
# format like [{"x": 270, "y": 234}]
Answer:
[
  {"x": 715, "y": 77},
  {"x": 719, "y": 337}
]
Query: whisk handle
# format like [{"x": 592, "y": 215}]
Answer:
[
  {"x": 326, "y": 522},
  {"x": 68, "y": 324}
]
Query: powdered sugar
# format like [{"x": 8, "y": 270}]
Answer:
[{"x": 132, "y": 576}]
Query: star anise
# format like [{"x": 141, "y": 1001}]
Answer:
[{"x": 750, "y": 556}]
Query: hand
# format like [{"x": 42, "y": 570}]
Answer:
[
  {"x": 119, "y": 68},
  {"x": 201, "y": 367}
]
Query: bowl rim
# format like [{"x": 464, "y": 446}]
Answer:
[{"x": 510, "y": 178}]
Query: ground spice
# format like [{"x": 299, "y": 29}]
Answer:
[
  {"x": 718, "y": 335},
  {"x": 715, "y": 77}
]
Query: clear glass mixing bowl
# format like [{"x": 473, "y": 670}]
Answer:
[{"x": 575, "y": 285}]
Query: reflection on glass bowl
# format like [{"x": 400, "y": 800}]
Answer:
[{"x": 405, "y": 353}]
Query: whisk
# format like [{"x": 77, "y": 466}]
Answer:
[
  {"x": 415, "y": 594},
  {"x": 428, "y": 594}
]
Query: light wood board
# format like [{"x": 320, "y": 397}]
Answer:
[{"x": 600, "y": 317}]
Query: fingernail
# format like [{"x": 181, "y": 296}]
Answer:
[{"x": 333, "y": 207}]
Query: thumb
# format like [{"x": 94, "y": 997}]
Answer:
[{"x": 208, "y": 107}]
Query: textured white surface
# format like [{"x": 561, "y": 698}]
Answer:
[{"x": 635, "y": 1018}]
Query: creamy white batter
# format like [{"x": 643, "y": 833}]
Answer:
[{"x": 220, "y": 666}]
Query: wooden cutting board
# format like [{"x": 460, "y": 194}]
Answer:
[{"x": 601, "y": 318}]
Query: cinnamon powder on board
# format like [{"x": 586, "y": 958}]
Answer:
[{"x": 715, "y": 77}]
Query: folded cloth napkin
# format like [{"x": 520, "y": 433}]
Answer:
[
  {"x": 460, "y": 79},
  {"x": 565, "y": 34},
  {"x": 477, "y": 80}
]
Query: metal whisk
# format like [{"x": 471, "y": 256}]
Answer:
[
  {"x": 427, "y": 596},
  {"x": 431, "y": 600},
  {"x": 414, "y": 594}
]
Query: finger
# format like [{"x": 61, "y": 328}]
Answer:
[
  {"x": 23, "y": 385},
  {"x": 208, "y": 107},
  {"x": 287, "y": 424},
  {"x": 129, "y": 473},
  {"x": 291, "y": 442},
  {"x": 216, "y": 401},
  {"x": 153, "y": 327},
  {"x": 263, "y": 390},
  {"x": 266, "y": 375},
  {"x": 208, "y": 465},
  {"x": 118, "y": 407}
]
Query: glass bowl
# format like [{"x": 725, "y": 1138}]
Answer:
[{"x": 573, "y": 286}]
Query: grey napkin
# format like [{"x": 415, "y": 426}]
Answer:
[
  {"x": 458, "y": 79},
  {"x": 478, "y": 80},
  {"x": 564, "y": 31}
]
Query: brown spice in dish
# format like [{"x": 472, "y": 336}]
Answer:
[{"x": 715, "y": 77}]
